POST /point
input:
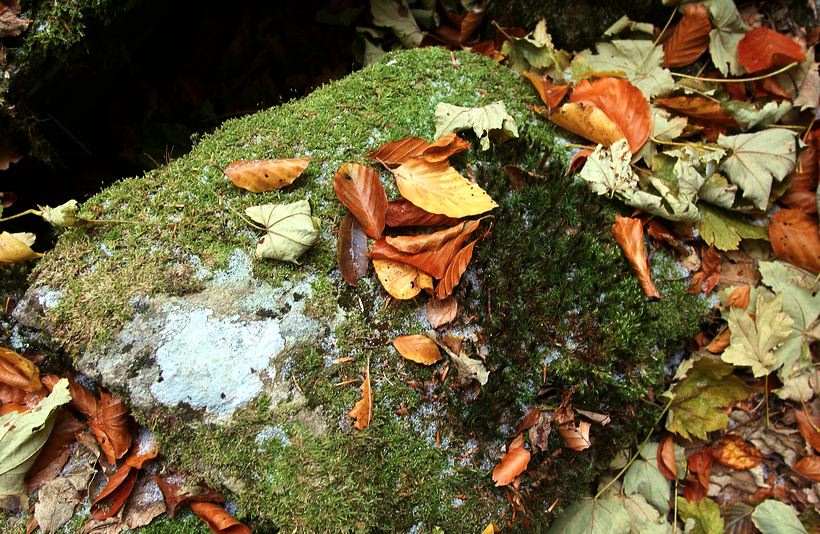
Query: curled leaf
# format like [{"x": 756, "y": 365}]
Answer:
[
  {"x": 454, "y": 271},
  {"x": 261, "y": 175},
  {"x": 418, "y": 348},
  {"x": 588, "y": 122},
  {"x": 218, "y": 519},
  {"x": 423, "y": 242},
  {"x": 762, "y": 48},
  {"x": 551, "y": 94},
  {"x": 397, "y": 152},
  {"x": 18, "y": 372},
  {"x": 512, "y": 464},
  {"x": 628, "y": 233},
  {"x": 16, "y": 248},
  {"x": 115, "y": 493},
  {"x": 666, "y": 458},
  {"x": 289, "y": 230},
  {"x": 794, "y": 236},
  {"x": 351, "y": 250},
  {"x": 364, "y": 196},
  {"x": 63, "y": 216},
  {"x": 809, "y": 426},
  {"x": 362, "y": 411}
]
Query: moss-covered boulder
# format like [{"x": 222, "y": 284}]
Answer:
[{"x": 246, "y": 368}]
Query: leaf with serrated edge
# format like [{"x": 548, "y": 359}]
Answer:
[
  {"x": 705, "y": 516},
  {"x": 396, "y": 15},
  {"x": 775, "y": 517},
  {"x": 725, "y": 229},
  {"x": 754, "y": 340},
  {"x": 592, "y": 516},
  {"x": 439, "y": 188},
  {"x": 639, "y": 60},
  {"x": 723, "y": 40},
  {"x": 609, "y": 171},
  {"x": 481, "y": 120},
  {"x": 644, "y": 477}
]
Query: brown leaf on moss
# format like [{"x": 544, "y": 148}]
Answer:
[
  {"x": 628, "y": 233},
  {"x": 397, "y": 152},
  {"x": 113, "y": 496},
  {"x": 360, "y": 190},
  {"x": 441, "y": 312},
  {"x": 470, "y": 23},
  {"x": 217, "y": 519},
  {"x": 362, "y": 412},
  {"x": 666, "y": 458},
  {"x": 351, "y": 250},
  {"x": 175, "y": 491},
  {"x": 455, "y": 270},
  {"x": 540, "y": 432},
  {"x": 18, "y": 372},
  {"x": 551, "y": 94},
  {"x": 262, "y": 175},
  {"x": 145, "y": 448},
  {"x": 795, "y": 238},
  {"x": 414, "y": 244},
  {"x": 402, "y": 212},
  {"x": 418, "y": 348},
  {"x": 689, "y": 37},
  {"x": 512, "y": 464},
  {"x": 734, "y": 452}
]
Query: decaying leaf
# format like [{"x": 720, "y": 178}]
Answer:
[
  {"x": 666, "y": 458},
  {"x": 689, "y": 37},
  {"x": 608, "y": 170},
  {"x": 289, "y": 230},
  {"x": 809, "y": 467},
  {"x": 56, "y": 502},
  {"x": 362, "y": 411},
  {"x": 113, "y": 496},
  {"x": 754, "y": 340},
  {"x": 176, "y": 490},
  {"x": 628, "y": 233},
  {"x": 795, "y": 238},
  {"x": 482, "y": 121},
  {"x": 18, "y": 372},
  {"x": 801, "y": 193},
  {"x": 397, "y": 152},
  {"x": 469, "y": 369},
  {"x": 400, "y": 280},
  {"x": 700, "y": 464},
  {"x": 402, "y": 212},
  {"x": 359, "y": 188},
  {"x": 512, "y": 464},
  {"x": 535, "y": 51},
  {"x": 16, "y": 248},
  {"x": 63, "y": 216},
  {"x": 734, "y": 452},
  {"x": 54, "y": 454},
  {"x": 725, "y": 229},
  {"x": 762, "y": 48},
  {"x": 418, "y": 348},
  {"x": 218, "y": 519},
  {"x": 454, "y": 271},
  {"x": 351, "y": 250},
  {"x": 441, "y": 312},
  {"x": 11, "y": 23},
  {"x": 261, "y": 175},
  {"x": 809, "y": 426}
]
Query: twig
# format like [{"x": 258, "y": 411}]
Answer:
[{"x": 736, "y": 80}]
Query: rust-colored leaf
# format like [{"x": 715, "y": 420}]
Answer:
[
  {"x": 176, "y": 491},
  {"x": 693, "y": 491},
  {"x": 54, "y": 453},
  {"x": 110, "y": 426},
  {"x": 700, "y": 464},
  {"x": 145, "y": 448},
  {"x": 708, "y": 277},
  {"x": 809, "y": 467},
  {"x": 689, "y": 38},
  {"x": 762, "y": 48},
  {"x": 364, "y": 196},
  {"x": 578, "y": 160},
  {"x": 413, "y": 244},
  {"x": 720, "y": 342},
  {"x": 512, "y": 464},
  {"x": 588, "y": 122},
  {"x": 666, "y": 458},
  {"x": 445, "y": 146},
  {"x": 362, "y": 411},
  {"x": 470, "y": 23},
  {"x": 575, "y": 437},
  {"x": 262, "y": 175},
  {"x": 734, "y": 452},
  {"x": 418, "y": 348},
  {"x": 218, "y": 519},
  {"x": 397, "y": 152},
  {"x": 551, "y": 94},
  {"x": 628, "y": 233},
  {"x": 622, "y": 102},
  {"x": 402, "y": 212},
  {"x": 697, "y": 107},
  {"x": 801, "y": 193},
  {"x": 399, "y": 279},
  {"x": 441, "y": 312},
  {"x": 454, "y": 271},
  {"x": 794, "y": 236},
  {"x": 115, "y": 493},
  {"x": 809, "y": 426},
  {"x": 19, "y": 372},
  {"x": 739, "y": 297},
  {"x": 351, "y": 250}
]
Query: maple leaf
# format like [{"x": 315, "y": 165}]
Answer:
[
  {"x": 725, "y": 229},
  {"x": 700, "y": 398},
  {"x": 802, "y": 83},
  {"x": 16, "y": 248},
  {"x": 396, "y": 15},
  {"x": 749, "y": 116},
  {"x": 418, "y": 348},
  {"x": 762, "y": 48},
  {"x": 482, "y": 121},
  {"x": 400, "y": 280},
  {"x": 609, "y": 171},
  {"x": 351, "y": 250},
  {"x": 467, "y": 368},
  {"x": 795, "y": 238},
  {"x": 628, "y": 233},
  {"x": 289, "y": 230},
  {"x": 644, "y": 478},
  {"x": 639, "y": 60},
  {"x": 622, "y": 103},
  {"x": 754, "y": 340},
  {"x": 665, "y": 127},
  {"x": 63, "y": 216},
  {"x": 439, "y": 188},
  {"x": 593, "y": 516},
  {"x": 758, "y": 158},
  {"x": 266, "y": 174},
  {"x": 729, "y": 29},
  {"x": 704, "y": 516},
  {"x": 363, "y": 194},
  {"x": 689, "y": 38},
  {"x": 535, "y": 51}
]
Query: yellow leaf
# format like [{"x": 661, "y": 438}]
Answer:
[
  {"x": 265, "y": 174},
  {"x": 438, "y": 188},
  {"x": 18, "y": 372},
  {"x": 587, "y": 121},
  {"x": 362, "y": 412},
  {"x": 418, "y": 348},
  {"x": 15, "y": 248},
  {"x": 399, "y": 279}
]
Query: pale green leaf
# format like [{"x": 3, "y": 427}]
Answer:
[
  {"x": 758, "y": 158},
  {"x": 729, "y": 29},
  {"x": 639, "y": 60},
  {"x": 700, "y": 399},
  {"x": 665, "y": 127},
  {"x": 535, "y": 51},
  {"x": 591, "y": 516},
  {"x": 748, "y": 116},
  {"x": 775, "y": 517},
  {"x": 482, "y": 120},
  {"x": 725, "y": 229},
  {"x": 396, "y": 15},
  {"x": 626, "y": 24},
  {"x": 704, "y": 516},
  {"x": 608, "y": 170},
  {"x": 23, "y": 434},
  {"x": 753, "y": 340},
  {"x": 289, "y": 230},
  {"x": 718, "y": 191},
  {"x": 667, "y": 203},
  {"x": 643, "y": 517},
  {"x": 799, "y": 376},
  {"x": 469, "y": 369},
  {"x": 63, "y": 216},
  {"x": 644, "y": 478},
  {"x": 801, "y": 300},
  {"x": 802, "y": 82}
]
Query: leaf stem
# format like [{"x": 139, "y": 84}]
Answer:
[
  {"x": 22, "y": 213},
  {"x": 736, "y": 80}
]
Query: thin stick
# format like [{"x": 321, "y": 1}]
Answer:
[
  {"x": 22, "y": 213},
  {"x": 736, "y": 80}
]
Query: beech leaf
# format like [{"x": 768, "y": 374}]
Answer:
[
  {"x": 689, "y": 38},
  {"x": 754, "y": 340},
  {"x": 441, "y": 312},
  {"x": 423, "y": 242},
  {"x": 265, "y": 174},
  {"x": 550, "y": 93},
  {"x": 363, "y": 194},
  {"x": 397, "y": 152},
  {"x": 351, "y": 250},
  {"x": 362, "y": 411},
  {"x": 775, "y": 517},
  {"x": 735, "y": 453},
  {"x": 402, "y": 212},
  {"x": 795, "y": 238},
  {"x": 400, "y": 280},
  {"x": 18, "y": 372},
  {"x": 512, "y": 464},
  {"x": 16, "y": 248},
  {"x": 587, "y": 121},
  {"x": 113, "y": 496},
  {"x": 218, "y": 519},
  {"x": 439, "y": 188},
  {"x": 454, "y": 271},
  {"x": 762, "y": 48},
  {"x": 289, "y": 230},
  {"x": 481, "y": 120},
  {"x": 628, "y": 233},
  {"x": 418, "y": 348},
  {"x": 809, "y": 467}
]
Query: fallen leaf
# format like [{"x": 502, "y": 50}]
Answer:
[
  {"x": 175, "y": 491},
  {"x": 754, "y": 340},
  {"x": 63, "y": 216},
  {"x": 364, "y": 196},
  {"x": 762, "y": 48},
  {"x": 441, "y": 312},
  {"x": 351, "y": 250},
  {"x": 666, "y": 458},
  {"x": 551, "y": 94},
  {"x": 492, "y": 528},
  {"x": 454, "y": 271},
  {"x": 16, "y": 248},
  {"x": 54, "y": 454},
  {"x": 469, "y": 369},
  {"x": 533, "y": 50},
  {"x": 144, "y": 505},
  {"x": 628, "y": 233},
  {"x": 729, "y": 29},
  {"x": 18, "y": 372},
  {"x": 739, "y": 297},
  {"x": 643, "y": 477},
  {"x": 218, "y": 519},
  {"x": 622, "y": 102},
  {"x": 795, "y": 238},
  {"x": 593, "y": 516},
  {"x": 418, "y": 348},
  {"x": 145, "y": 448},
  {"x": 699, "y": 463},
  {"x": 698, "y": 107},
  {"x": 362, "y": 411},
  {"x": 262, "y": 175},
  {"x": 601, "y": 419},
  {"x": 420, "y": 243},
  {"x": 540, "y": 431},
  {"x": 512, "y": 464},
  {"x": 289, "y": 230},
  {"x": 608, "y": 171},
  {"x": 775, "y": 517},
  {"x": 732, "y": 451},
  {"x": 402, "y": 212},
  {"x": 471, "y": 21},
  {"x": 809, "y": 426},
  {"x": 397, "y": 152},
  {"x": 639, "y": 60},
  {"x": 11, "y": 24},
  {"x": 809, "y": 467},
  {"x": 689, "y": 38},
  {"x": 704, "y": 516},
  {"x": 575, "y": 437},
  {"x": 482, "y": 121},
  {"x": 737, "y": 518},
  {"x": 801, "y": 193},
  {"x": 396, "y": 15},
  {"x": 56, "y": 502},
  {"x": 587, "y": 121},
  {"x": 113, "y": 496},
  {"x": 398, "y": 279},
  {"x": 708, "y": 277},
  {"x": 725, "y": 229}
]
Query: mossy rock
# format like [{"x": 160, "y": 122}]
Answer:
[{"x": 234, "y": 362}]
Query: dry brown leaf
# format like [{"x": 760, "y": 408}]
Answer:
[
  {"x": 360, "y": 190},
  {"x": 144, "y": 505},
  {"x": 795, "y": 238},
  {"x": 175, "y": 491},
  {"x": 398, "y": 279},
  {"x": 55, "y": 452},
  {"x": 454, "y": 271},
  {"x": 262, "y": 175},
  {"x": 512, "y": 464},
  {"x": 218, "y": 519},
  {"x": 700, "y": 464},
  {"x": 809, "y": 426},
  {"x": 397, "y": 152},
  {"x": 708, "y": 277},
  {"x": 721, "y": 341},
  {"x": 628, "y": 233},
  {"x": 698, "y": 107},
  {"x": 113, "y": 496},
  {"x": 470, "y": 23},
  {"x": 540, "y": 432},
  {"x": 18, "y": 372},
  {"x": 575, "y": 437},
  {"x": 362, "y": 412},
  {"x": 441, "y": 312},
  {"x": 145, "y": 448},
  {"x": 587, "y": 121},
  {"x": 402, "y": 212},
  {"x": 666, "y": 458},
  {"x": 351, "y": 250},
  {"x": 809, "y": 467},
  {"x": 739, "y": 297},
  {"x": 420, "y": 243},
  {"x": 418, "y": 348},
  {"x": 734, "y": 452},
  {"x": 689, "y": 37},
  {"x": 801, "y": 193}
]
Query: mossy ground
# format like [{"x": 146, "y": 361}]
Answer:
[{"x": 549, "y": 289}]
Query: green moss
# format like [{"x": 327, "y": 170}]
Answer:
[{"x": 183, "y": 523}]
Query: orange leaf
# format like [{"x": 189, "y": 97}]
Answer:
[
  {"x": 794, "y": 236},
  {"x": 351, "y": 250},
  {"x": 808, "y": 425},
  {"x": 734, "y": 452},
  {"x": 622, "y": 102},
  {"x": 689, "y": 38},
  {"x": 575, "y": 437},
  {"x": 666, "y": 458},
  {"x": 110, "y": 426},
  {"x": 802, "y": 182},
  {"x": 441, "y": 312},
  {"x": 709, "y": 275},
  {"x": 697, "y": 107},
  {"x": 418, "y": 348},
  {"x": 176, "y": 491},
  {"x": 18, "y": 372},
  {"x": 444, "y": 147},
  {"x": 721, "y": 341},
  {"x": 115, "y": 493},
  {"x": 218, "y": 519},
  {"x": 145, "y": 448},
  {"x": 470, "y": 23},
  {"x": 700, "y": 464},
  {"x": 693, "y": 491},
  {"x": 454, "y": 271},
  {"x": 513, "y": 463},
  {"x": 397, "y": 152},
  {"x": 400, "y": 280},
  {"x": 413, "y": 244},
  {"x": 363, "y": 195},
  {"x": 809, "y": 467},
  {"x": 762, "y": 48},
  {"x": 54, "y": 454},
  {"x": 362, "y": 412},
  {"x": 588, "y": 122},
  {"x": 402, "y": 212},
  {"x": 438, "y": 188},
  {"x": 262, "y": 175},
  {"x": 628, "y": 233},
  {"x": 578, "y": 160},
  {"x": 551, "y": 94},
  {"x": 739, "y": 297}
]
